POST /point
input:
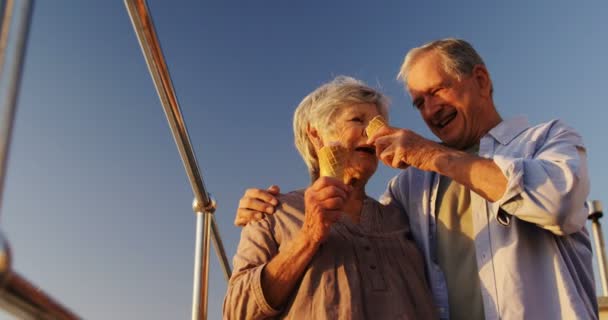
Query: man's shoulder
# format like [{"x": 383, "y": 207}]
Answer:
[
  {"x": 291, "y": 196},
  {"x": 405, "y": 184},
  {"x": 409, "y": 175},
  {"x": 517, "y": 129},
  {"x": 552, "y": 124},
  {"x": 552, "y": 129}
]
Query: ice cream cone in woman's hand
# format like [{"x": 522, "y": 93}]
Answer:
[{"x": 331, "y": 161}]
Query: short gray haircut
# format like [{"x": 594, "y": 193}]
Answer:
[
  {"x": 320, "y": 107},
  {"x": 459, "y": 57}
]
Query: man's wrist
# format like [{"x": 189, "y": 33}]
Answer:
[{"x": 438, "y": 158}]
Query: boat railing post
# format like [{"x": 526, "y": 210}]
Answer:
[
  {"x": 203, "y": 206},
  {"x": 595, "y": 213}
]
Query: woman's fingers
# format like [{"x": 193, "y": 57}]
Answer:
[
  {"x": 333, "y": 215},
  {"x": 333, "y": 203},
  {"x": 324, "y": 182},
  {"x": 331, "y": 192}
]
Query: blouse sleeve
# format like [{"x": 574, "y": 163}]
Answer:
[{"x": 244, "y": 297}]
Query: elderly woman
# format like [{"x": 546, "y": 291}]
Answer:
[{"x": 330, "y": 251}]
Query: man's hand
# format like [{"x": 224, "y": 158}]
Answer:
[
  {"x": 400, "y": 148},
  {"x": 323, "y": 203},
  {"x": 255, "y": 203}
]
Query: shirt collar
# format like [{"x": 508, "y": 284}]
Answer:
[{"x": 507, "y": 130}]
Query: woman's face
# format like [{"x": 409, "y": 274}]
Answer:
[{"x": 348, "y": 128}]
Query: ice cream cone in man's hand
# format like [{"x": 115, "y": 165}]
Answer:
[
  {"x": 375, "y": 124},
  {"x": 385, "y": 152}
]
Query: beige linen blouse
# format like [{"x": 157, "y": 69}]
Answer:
[{"x": 370, "y": 270}]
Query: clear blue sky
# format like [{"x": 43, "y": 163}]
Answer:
[{"x": 97, "y": 205}]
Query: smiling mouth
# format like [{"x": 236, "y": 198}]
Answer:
[
  {"x": 441, "y": 124},
  {"x": 367, "y": 149}
]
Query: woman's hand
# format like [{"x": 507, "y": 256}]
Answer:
[
  {"x": 323, "y": 203},
  {"x": 255, "y": 203}
]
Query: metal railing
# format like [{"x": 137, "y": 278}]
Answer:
[
  {"x": 17, "y": 295},
  {"x": 26, "y": 301},
  {"x": 204, "y": 206},
  {"x": 595, "y": 213}
]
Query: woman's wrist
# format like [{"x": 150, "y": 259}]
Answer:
[{"x": 307, "y": 239}]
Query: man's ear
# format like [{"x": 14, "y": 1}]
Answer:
[
  {"x": 482, "y": 77},
  {"x": 314, "y": 137}
]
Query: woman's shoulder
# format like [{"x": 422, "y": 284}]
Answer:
[
  {"x": 390, "y": 217},
  {"x": 291, "y": 205},
  {"x": 292, "y": 196}
]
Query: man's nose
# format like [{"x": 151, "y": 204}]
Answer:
[{"x": 431, "y": 106}]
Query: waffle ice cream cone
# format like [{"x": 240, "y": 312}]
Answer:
[
  {"x": 331, "y": 161},
  {"x": 375, "y": 124}
]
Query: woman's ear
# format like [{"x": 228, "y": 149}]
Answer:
[{"x": 314, "y": 137}]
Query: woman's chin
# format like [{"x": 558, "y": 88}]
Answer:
[{"x": 357, "y": 177}]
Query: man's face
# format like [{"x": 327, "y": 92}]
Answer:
[{"x": 452, "y": 108}]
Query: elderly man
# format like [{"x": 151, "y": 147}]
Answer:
[{"x": 497, "y": 208}]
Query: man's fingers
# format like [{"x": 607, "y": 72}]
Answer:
[
  {"x": 386, "y": 155},
  {"x": 274, "y": 189},
  {"x": 244, "y": 216},
  {"x": 381, "y": 144},
  {"x": 262, "y": 195},
  {"x": 397, "y": 159},
  {"x": 256, "y": 205},
  {"x": 386, "y": 130}
]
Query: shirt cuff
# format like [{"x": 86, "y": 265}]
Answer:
[
  {"x": 258, "y": 293},
  {"x": 513, "y": 170}
]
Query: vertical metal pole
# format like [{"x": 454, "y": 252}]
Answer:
[
  {"x": 204, "y": 205},
  {"x": 17, "y": 295},
  {"x": 9, "y": 99},
  {"x": 595, "y": 213},
  {"x": 201, "y": 266}
]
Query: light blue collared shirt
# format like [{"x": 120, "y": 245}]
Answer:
[{"x": 533, "y": 251}]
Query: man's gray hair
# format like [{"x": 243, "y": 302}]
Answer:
[
  {"x": 319, "y": 108},
  {"x": 459, "y": 57}
]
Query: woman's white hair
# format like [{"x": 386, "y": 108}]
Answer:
[{"x": 319, "y": 108}]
